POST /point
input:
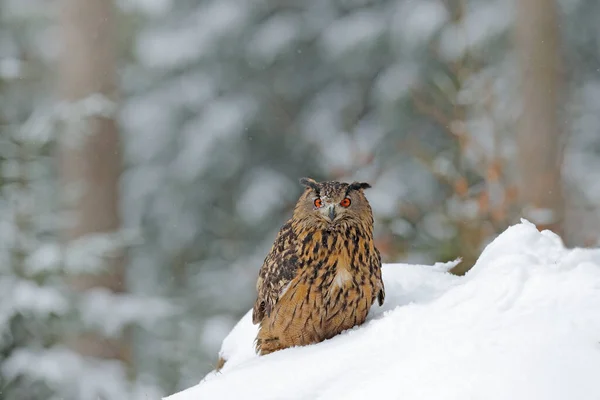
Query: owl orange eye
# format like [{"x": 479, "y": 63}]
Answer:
[
  {"x": 318, "y": 203},
  {"x": 345, "y": 203}
]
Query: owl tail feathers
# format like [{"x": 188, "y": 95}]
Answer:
[
  {"x": 381, "y": 297},
  {"x": 220, "y": 363},
  {"x": 258, "y": 312}
]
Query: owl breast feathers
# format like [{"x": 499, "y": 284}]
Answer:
[{"x": 323, "y": 272}]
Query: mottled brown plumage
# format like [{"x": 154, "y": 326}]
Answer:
[{"x": 323, "y": 272}]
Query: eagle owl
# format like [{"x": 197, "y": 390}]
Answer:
[{"x": 323, "y": 272}]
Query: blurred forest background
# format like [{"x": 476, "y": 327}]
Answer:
[{"x": 150, "y": 150}]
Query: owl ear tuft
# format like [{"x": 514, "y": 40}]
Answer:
[
  {"x": 358, "y": 186},
  {"x": 310, "y": 183}
]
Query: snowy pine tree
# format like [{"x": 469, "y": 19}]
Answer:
[{"x": 40, "y": 313}]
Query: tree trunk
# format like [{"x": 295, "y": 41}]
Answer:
[
  {"x": 540, "y": 131},
  {"x": 91, "y": 164}
]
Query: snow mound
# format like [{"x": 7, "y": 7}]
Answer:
[{"x": 524, "y": 323}]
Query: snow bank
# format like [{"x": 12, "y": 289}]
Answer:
[{"x": 524, "y": 323}]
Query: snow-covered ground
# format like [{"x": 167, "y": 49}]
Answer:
[{"x": 524, "y": 323}]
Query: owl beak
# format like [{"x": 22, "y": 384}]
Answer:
[{"x": 331, "y": 212}]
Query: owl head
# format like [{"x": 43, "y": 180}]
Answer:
[{"x": 334, "y": 205}]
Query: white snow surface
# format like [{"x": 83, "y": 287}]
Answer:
[{"x": 524, "y": 323}]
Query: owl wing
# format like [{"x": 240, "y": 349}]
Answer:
[
  {"x": 380, "y": 291},
  {"x": 278, "y": 269}
]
